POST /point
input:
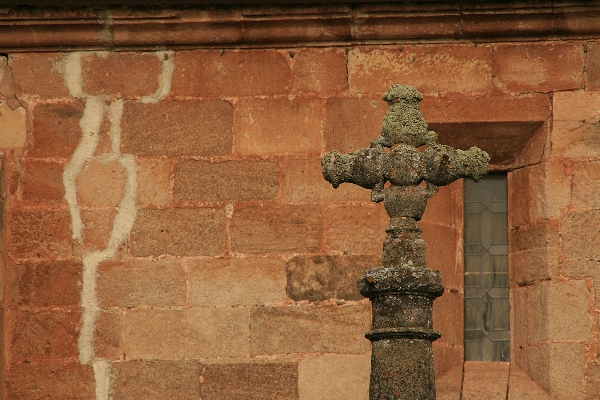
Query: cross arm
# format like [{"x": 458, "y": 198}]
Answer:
[
  {"x": 363, "y": 168},
  {"x": 443, "y": 164}
]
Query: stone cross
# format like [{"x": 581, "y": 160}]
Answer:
[{"x": 403, "y": 289}]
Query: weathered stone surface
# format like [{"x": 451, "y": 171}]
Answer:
[
  {"x": 101, "y": 184},
  {"x": 580, "y": 234},
  {"x": 108, "y": 335},
  {"x": 50, "y": 381},
  {"x": 593, "y": 64},
  {"x": 325, "y": 277},
  {"x": 40, "y": 234},
  {"x": 39, "y": 74},
  {"x": 519, "y": 316},
  {"x": 446, "y": 312},
  {"x": 593, "y": 381},
  {"x": 13, "y": 126},
  {"x": 334, "y": 377},
  {"x": 521, "y": 386},
  {"x": 249, "y": 381},
  {"x": 155, "y": 380},
  {"x": 56, "y": 130},
  {"x": 41, "y": 182},
  {"x": 574, "y": 131},
  {"x": 586, "y": 175},
  {"x": 154, "y": 181},
  {"x": 343, "y": 222},
  {"x": 485, "y": 380},
  {"x": 550, "y": 189},
  {"x": 319, "y": 70}
]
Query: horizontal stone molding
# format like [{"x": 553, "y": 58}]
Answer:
[{"x": 288, "y": 25}]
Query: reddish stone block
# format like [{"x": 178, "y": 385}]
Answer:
[
  {"x": 550, "y": 190},
  {"x": 445, "y": 207},
  {"x": 518, "y": 316},
  {"x": 593, "y": 65},
  {"x": 429, "y": 68},
  {"x": 448, "y": 317},
  {"x": 214, "y": 73},
  {"x": 338, "y": 376},
  {"x": 442, "y": 252},
  {"x": 195, "y": 128},
  {"x": 276, "y": 381},
  {"x": 39, "y": 233},
  {"x": 580, "y": 235},
  {"x": 280, "y": 126},
  {"x": 154, "y": 181},
  {"x": 352, "y": 122},
  {"x": 495, "y": 376},
  {"x": 44, "y": 284},
  {"x": 39, "y": 74},
  {"x": 159, "y": 283},
  {"x": 518, "y": 197},
  {"x": 108, "y": 332},
  {"x": 310, "y": 329},
  {"x": 534, "y": 264},
  {"x": 319, "y": 70},
  {"x": 542, "y": 234},
  {"x": 538, "y": 67},
  {"x": 277, "y": 230},
  {"x": 97, "y": 227},
  {"x": 50, "y": 381},
  {"x": 101, "y": 183},
  {"x": 586, "y": 175},
  {"x": 43, "y": 334},
  {"x": 356, "y": 229},
  {"x": 236, "y": 281},
  {"x": 56, "y": 131},
  {"x": 179, "y": 232},
  {"x": 144, "y": 380},
  {"x": 42, "y": 182},
  {"x": 226, "y": 181},
  {"x": 575, "y": 125},
  {"x": 121, "y": 74},
  {"x": 515, "y": 21},
  {"x": 433, "y": 23}
]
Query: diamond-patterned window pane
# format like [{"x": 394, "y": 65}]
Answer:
[{"x": 487, "y": 312}]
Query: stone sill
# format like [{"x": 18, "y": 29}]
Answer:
[{"x": 284, "y": 25}]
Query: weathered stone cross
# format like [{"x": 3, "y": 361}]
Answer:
[{"x": 403, "y": 290}]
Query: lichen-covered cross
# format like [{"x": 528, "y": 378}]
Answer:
[{"x": 402, "y": 291}]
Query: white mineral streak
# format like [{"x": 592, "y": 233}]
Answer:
[
  {"x": 164, "y": 86},
  {"x": 91, "y": 120}
]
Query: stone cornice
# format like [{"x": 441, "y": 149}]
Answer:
[{"x": 223, "y": 26}]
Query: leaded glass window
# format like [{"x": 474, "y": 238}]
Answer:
[{"x": 487, "y": 314}]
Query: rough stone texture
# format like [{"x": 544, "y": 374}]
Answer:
[
  {"x": 585, "y": 178},
  {"x": 39, "y": 233},
  {"x": 550, "y": 189},
  {"x": 560, "y": 310},
  {"x": 154, "y": 181},
  {"x": 309, "y": 329},
  {"x": 121, "y": 74},
  {"x": 13, "y": 127},
  {"x": 39, "y": 74},
  {"x": 580, "y": 234},
  {"x": 342, "y": 223},
  {"x": 41, "y": 182},
  {"x": 179, "y": 232},
  {"x": 236, "y": 281},
  {"x": 581, "y": 269},
  {"x": 326, "y": 277},
  {"x": 98, "y": 225},
  {"x": 519, "y": 316},
  {"x": 159, "y": 283},
  {"x": 447, "y": 318},
  {"x": 448, "y": 385},
  {"x": 108, "y": 332},
  {"x": 215, "y": 73},
  {"x": 226, "y": 181},
  {"x": 334, "y": 377},
  {"x": 44, "y": 284},
  {"x": 188, "y": 333},
  {"x": 39, "y": 335},
  {"x": 50, "y": 381},
  {"x": 574, "y": 131},
  {"x": 56, "y": 131},
  {"x": 518, "y": 197},
  {"x": 538, "y": 66},
  {"x": 593, "y": 64},
  {"x": 534, "y": 251},
  {"x": 277, "y": 230},
  {"x": 101, "y": 184},
  {"x": 442, "y": 250},
  {"x": 278, "y": 126},
  {"x": 521, "y": 386},
  {"x": 319, "y": 71},
  {"x": 593, "y": 381},
  {"x": 194, "y": 127},
  {"x": 485, "y": 380},
  {"x": 249, "y": 381},
  {"x": 433, "y": 68},
  {"x": 155, "y": 380}
]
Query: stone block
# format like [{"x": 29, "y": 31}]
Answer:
[
  {"x": 542, "y": 234},
  {"x": 550, "y": 189},
  {"x": 193, "y": 128},
  {"x": 574, "y": 131},
  {"x": 538, "y": 67},
  {"x": 121, "y": 74},
  {"x": 559, "y": 310},
  {"x": 485, "y": 380},
  {"x": 352, "y": 122},
  {"x": 310, "y": 329},
  {"x": 448, "y": 318},
  {"x": 277, "y": 230},
  {"x": 43, "y": 284},
  {"x": 446, "y": 359},
  {"x": 155, "y": 380},
  {"x": 593, "y": 381},
  {"x": 343, "y": 222},
  {"x": 13, "y": 127},
  {"x": 252, "y": 381},
  {"x": 335, "y": 377},
  {"x": 50, "y": 381},
  {"x": 130, "y": 284},
  {"x": 303, "y": 182},
  {"x": 226, "y": 181},
  {"x": 187, "y": 333},
  {"x": 39, "y": 234},
  {"x": 214, "y": 73},
  {"x": 586, "y": 176},
  {"x": 56, "y": 131},
  {"x": 518, "y": 197},
  {"x": 429, "y": 68},
  {"x": 179, "y": 232},
  {"x": 581, "y": 269},
  {"x": 534, "y": 264},
  {"x": 319, "y": 278},
  {"x": 449, "y": 385},
  {"x": 97, "y": 227},
  {"x": 37, "y": 335},
  {"x": 41, "y": 182},
  {"x": 593, "y": 65},
  {"x": 101, "y": 184},
  {"x": 108, "y": 335},
  {"x": 445, "y": 207},
  {"x": 518, "y": 315},
  {"x": 521, "y": 386},
  {"x": 580, "y": 234},
  {"x": 154, "y": 181},
  {"x": 443, "y": 253},
  {"x": 319, "y": 70},
  {"x": 278, "y": 126},
  {"x": 39, "y": 74},
  {"x": 236, "y": 281}
]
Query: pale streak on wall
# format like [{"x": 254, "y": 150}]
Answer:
[{"x": 164, "y": 85}]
